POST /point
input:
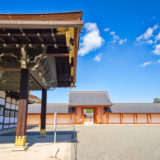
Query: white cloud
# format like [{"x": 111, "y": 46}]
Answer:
[
  {"x": 150, "y": 41},
  {"x": 116, "y": 38},
  {"x": 91, "y": 40},
  {"x": 145, "y": 37},
  {"x": 157, "y": 37},
  {"x": 98, "y": 57},
  {"x": 112, "y": 33},
  {"x": 157, "y": 62},
  {"x": 157, "y": 49},
  {"x": 122, "y": 41},
  {"x": 106, "y": 29},
  {"x": 146, "y": 64}
]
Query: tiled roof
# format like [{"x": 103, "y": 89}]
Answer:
[
  {"x": 89, "y": 98},
  {"x": 135, "y": 108},
  {"x": 51, "y": 108}
]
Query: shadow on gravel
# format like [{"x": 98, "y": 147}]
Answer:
[{"x": 34, "y": 137}]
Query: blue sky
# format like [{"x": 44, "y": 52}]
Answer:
[{"x": 119, "y": 50}]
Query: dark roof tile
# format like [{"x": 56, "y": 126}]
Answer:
[{"x": 89, "y": 98}]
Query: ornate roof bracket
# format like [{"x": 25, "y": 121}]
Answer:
[{"x": 70, "y": 44}]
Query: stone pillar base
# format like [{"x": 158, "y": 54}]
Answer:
[
  {"x": 20, "y": 141},
  {"x": 20, "y": 148},
  {"x": 42, "y": 132}
]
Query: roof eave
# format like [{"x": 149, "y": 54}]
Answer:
[{"x": 14, "y": 24}]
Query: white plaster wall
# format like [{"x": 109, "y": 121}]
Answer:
[
  {"x": 6, "y": 126},
  {"x": 114, "y": 118},
  {"x": 2, "y": 101},
  {"x": 13, "y": 106},
  {"x": 155, "y": 118},
  {"x": 8, "y": 105},
  {"x": 0, "y": 127},
  {"x": 1, "y": 119},
  {"x": 11, "y": 119},
  {"x": 15, "y": 120},
  {"x": 128, "y": 118},
  {"x": 142, "y": 118},
  {"x": 6, "y": 120}
]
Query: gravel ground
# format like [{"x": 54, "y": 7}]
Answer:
[
  {"x": 94, "y": 142},
  {"x": 117, "y": 142}
]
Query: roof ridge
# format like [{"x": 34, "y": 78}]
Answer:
[
  {"x": 135, "y": 103},
  {"x": 87, "y": 91},
  {"x": 80, "y": 11},
  {"x": 107, "y": 96}
]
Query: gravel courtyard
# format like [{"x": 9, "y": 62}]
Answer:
[
  {"x": 117, "y": 142},
  {"x": 94, "y": 142}
]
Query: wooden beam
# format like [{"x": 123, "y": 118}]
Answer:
[
  {"x": 58, "y": 55},
  {"x": 14, "y": 24},
  {"x": 2, "y": 40},
  {"x": 10, "y": 69},
  {"x": 29, "y": 45}
]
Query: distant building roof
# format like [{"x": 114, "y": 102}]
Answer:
[
  {"x": 135, "y": 108},
  {"x": 92, "y": 98},
  {"x": 33, "y": 99},
  {"x": 51, "y": 108}
]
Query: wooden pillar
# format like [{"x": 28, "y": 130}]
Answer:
[
  {"x": 147, "y": 119},
  {"x": 150, "y": 119},
  {"x": 82, "y": 111},
  {"x": 108, "y": 118},
  {"x": 103, "y": 120},
  {"x": 97, "y": 115},
  {"x": 122, "y": 118},
  {"x": 23, "y": 107},
  {"x": 76, "y": 116},
  {"x": 94, "y": 111},
  {"x": 136, "y": 119},
  {"x": 71, "y": 118},
  {"x": 43, "y": 112},
  {"x": 4, "y": 111}
]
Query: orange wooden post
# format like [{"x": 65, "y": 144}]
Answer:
[
  {"x": 97, "y": 116},
  {"x": 108, "y": 118},
  {"x": 151, "y": 119},
  {"x": 136, "y": 119},
  {"x": 103, "y": 115},
  {"x": 122, "y": 119},
  {"x": 71, "y": 118},
  {"x": 82, "y": 115},
  {"x": 76, "y": 116},
  {"x": 147, "y": 118},
  {"x": 94, "y": 115}
]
